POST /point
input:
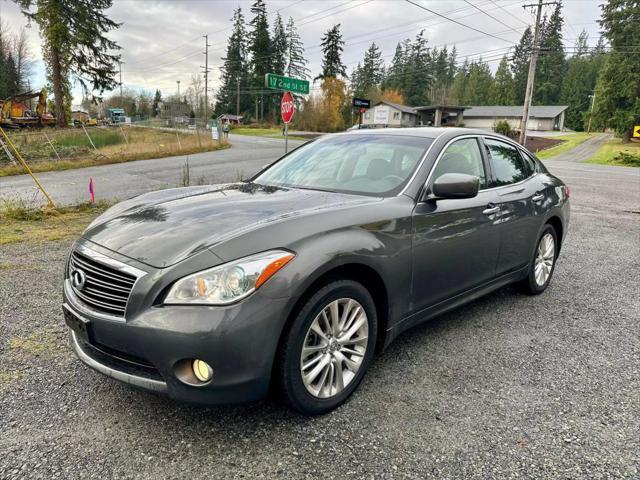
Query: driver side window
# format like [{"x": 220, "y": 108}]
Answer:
[{"x": 462, "y": 156}]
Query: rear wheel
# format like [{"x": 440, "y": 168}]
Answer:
[
  {"x": 542, "y": 264},
  {"x": 328, "y": 348}
]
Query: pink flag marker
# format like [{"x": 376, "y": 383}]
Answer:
[{"x": 92, "y": 194}]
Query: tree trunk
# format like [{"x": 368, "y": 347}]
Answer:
[{"x": 58, "y": 90}]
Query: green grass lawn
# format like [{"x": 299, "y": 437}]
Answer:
[
  {"x": 274, "y": 132},
  {"x": 607, "y": 153},
  {"x": 570, "y": 141}
]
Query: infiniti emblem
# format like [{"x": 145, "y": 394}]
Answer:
[{"x": 78, "y": 279}]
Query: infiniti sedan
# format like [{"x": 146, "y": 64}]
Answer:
[{"x": 293, "y": 280}]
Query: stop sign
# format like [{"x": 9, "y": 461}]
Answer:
[{"x": 287, "y": 107}]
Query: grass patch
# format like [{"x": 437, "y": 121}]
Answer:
[
  {"x": 34, "y": 344},
  {"x": 614, "y": 152},
  {"x": 19, "y": 223},
  {"x": 270, "y": 132},
  {"x": 75, "y": 151},
  {"x": 568, "y": 142}
]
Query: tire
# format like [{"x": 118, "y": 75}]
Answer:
[
  {"x": 336, "y": 355},
  {"x": 535, "y": 283}
]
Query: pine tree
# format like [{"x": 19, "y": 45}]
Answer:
[
  {"x": 582, "y": 44},
  {"x": 370, "y": 74},
  {"x": 280, "y": 46},
  {"x": 234, "y": 70},
  {"x": 459, "y": 87},
  {"x": 520, "y": 65},
  {"x": 157, "y": 98},
  {"x": 479, "y": 84},
  {"x": 332, "y": 47},
  {"x": 502, "y": 91},
  {"x": 296, "y": 61},
  {"x": 551, "y": 65},
  {"x": 418, "y": 69},
  {"x": 393, "y": 78},
  {"x": 617, "y": 102},
  {"x": 75, "y": 43},
  {"x": 260, "y": 50}
]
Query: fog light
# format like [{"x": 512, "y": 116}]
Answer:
[{"x": 202, "y": 370}]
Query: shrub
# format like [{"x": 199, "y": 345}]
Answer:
[
  {"x": 628, "y": 159},
  {"x": 502, "y": 127}
]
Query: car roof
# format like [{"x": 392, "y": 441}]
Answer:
[{"x": 429, "y": 132}]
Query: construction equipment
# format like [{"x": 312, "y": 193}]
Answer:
[
  {"x": 15, "y": 111},
  {"x": 80, "y": 117},
  {"x": 116, "y": 115}
]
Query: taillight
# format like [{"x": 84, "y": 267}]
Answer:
[{"x": 567, "y": 191}]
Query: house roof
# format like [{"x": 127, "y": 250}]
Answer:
[
  {"x": 537, "y": 111},
  {"x": 397, "y": 106}
]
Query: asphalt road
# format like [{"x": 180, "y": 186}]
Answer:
[
  {"x": 509, "y": 386},
  {"x": 585, "y": 150},
  {"x": 125, "y": 180}
]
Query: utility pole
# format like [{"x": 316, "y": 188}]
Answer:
[
  {"x": 238, "y": 97},
  {"x": 178, "y": 82},
  {"x": 532, "y": 70},
  {"x": 206, "y": 78},
  {"x": 593, "y": 101}
]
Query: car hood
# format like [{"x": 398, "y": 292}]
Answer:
[{"x": 163, "y": 228}]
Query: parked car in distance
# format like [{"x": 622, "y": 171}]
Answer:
[{"x": 295, "y": 278}]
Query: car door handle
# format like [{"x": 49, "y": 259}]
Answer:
[
  {"x": 538, "y": 197},
  {"x": 491, "y": 209}
]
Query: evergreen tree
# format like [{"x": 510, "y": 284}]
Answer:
[
  {"x": 260, "y": 50},
  {"x": 332, "y": 47},
  {"x": 520, "y": 65},
  {"x": 393, "y": 78},
  {"x": 479, "y": 84},
  {"x": 617, "y": 102},
  {"x": 582, "y": 44},
  {"x": 551, "y": 65},
  {"x": 418, "y": 72},
  {"x": 502, "y": 91},
  {"x": 296, "y": 61},
  {"x": 280, "y": 46},
  {"x": 234, "y": 70},
  {"x": 370, "y": 74},
  {"x": 75, "y": 43},
  {"x": 157, "y": 98},
  {"x": 459, "y": 87}
]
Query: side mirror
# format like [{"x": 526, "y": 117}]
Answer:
[{"x": 455, "y": 185}]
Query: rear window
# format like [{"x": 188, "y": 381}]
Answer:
[{"x": 508, "y": 166}]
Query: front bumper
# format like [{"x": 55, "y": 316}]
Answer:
[{"x": 239, "y": 341}]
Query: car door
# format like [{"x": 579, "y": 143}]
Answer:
[
  {"x": 517, "y": 195},
  {"x": 455, "y": 241}
]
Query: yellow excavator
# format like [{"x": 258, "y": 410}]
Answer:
[{"x": 15, "y": 111}]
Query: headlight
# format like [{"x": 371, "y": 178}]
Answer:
[{"x": 229, "y": 282}]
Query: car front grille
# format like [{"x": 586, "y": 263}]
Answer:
[{"x": 105, "y": 289}]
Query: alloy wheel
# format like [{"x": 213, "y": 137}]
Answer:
[
  {"x": 545, "y": 256},
  {"x": 334, "y": 348}
]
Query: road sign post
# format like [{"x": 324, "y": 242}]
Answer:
[
  {"x": 362, "y": 104},
  {"x": 287, "y": 108}
]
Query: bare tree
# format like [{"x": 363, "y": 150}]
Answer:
[
  {"x": 23, "y": 58},
  {"x": 195, "y": 94}
]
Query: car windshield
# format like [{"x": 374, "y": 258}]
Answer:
[{"x": 363, "y": 164}]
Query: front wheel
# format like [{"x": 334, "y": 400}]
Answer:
[
  {"x": 328, "y": 347},
  {"x": 543, "y": 263}
]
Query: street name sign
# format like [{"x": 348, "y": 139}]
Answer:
[{"x": 280, "y": 82}]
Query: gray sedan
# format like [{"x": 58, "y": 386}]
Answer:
[{"x": 291, "y": 281}]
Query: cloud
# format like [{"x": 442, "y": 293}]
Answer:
[{"x": 162, "y": 39}]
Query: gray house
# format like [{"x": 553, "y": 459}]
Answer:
[
  {"x": 388, "y": 114},
  {"x": 541, "y": 117}
]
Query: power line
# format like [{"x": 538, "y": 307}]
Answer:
[
  {"x": 491, "y": 16},
  {"x": 459, "y": 23},
  {"x": 509, "y": 13}
]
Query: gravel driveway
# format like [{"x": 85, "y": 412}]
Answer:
[{"x": 509, "y": 386}]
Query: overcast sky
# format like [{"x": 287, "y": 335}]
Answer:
[{"x": 162, "y": 40}]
